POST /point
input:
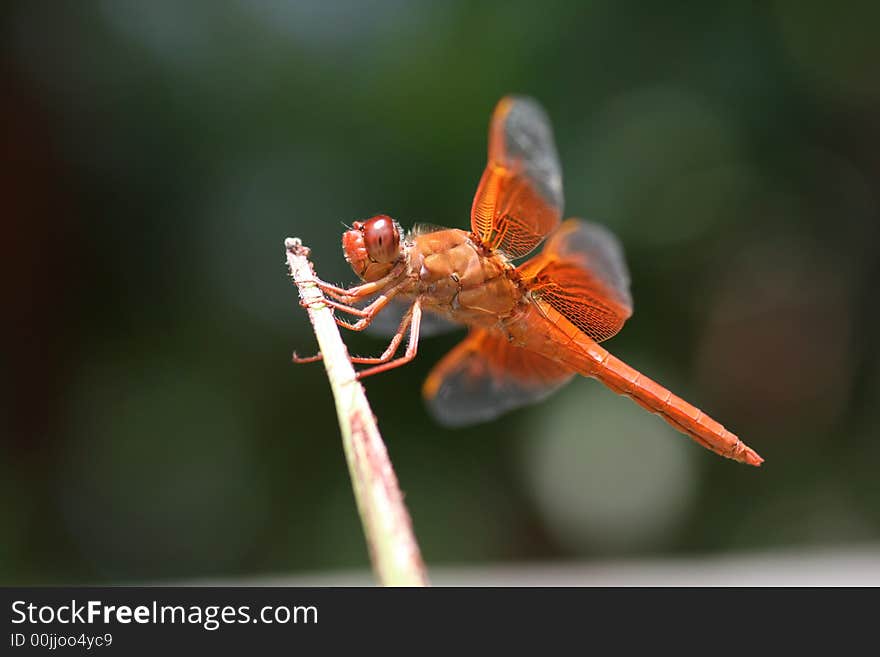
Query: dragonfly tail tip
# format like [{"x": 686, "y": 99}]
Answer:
[{"x": 751, "y": 457}]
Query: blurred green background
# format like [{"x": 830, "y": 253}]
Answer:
[{"x": 156, "y": 154}]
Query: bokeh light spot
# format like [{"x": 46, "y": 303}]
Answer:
[{"x": 604, "y": 473}]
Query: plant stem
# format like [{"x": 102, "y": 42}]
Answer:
[{"x": 393, "y": 549}]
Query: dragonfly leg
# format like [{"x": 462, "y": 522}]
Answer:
[
  {"x": 300, "y": 360},
  {"x": 412, "y": 346},
  {"x": 389, "y": 352},
  {"x": 352, "y": 294},
  {"x": 367, "y": 313},
  {"x": 362, "y": 360}
]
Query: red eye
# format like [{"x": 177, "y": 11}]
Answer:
[{"x": 382, "y": 238}]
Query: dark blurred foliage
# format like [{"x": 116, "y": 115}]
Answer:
[{"x": 156, "y": 154}]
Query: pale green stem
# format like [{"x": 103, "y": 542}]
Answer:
[{"x": 393, "y": 549}]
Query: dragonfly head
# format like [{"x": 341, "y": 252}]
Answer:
[{"x": 372, "y": 247}]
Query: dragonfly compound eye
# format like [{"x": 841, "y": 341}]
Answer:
[{"x": 382, "y": 238}]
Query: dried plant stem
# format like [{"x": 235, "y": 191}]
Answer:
[{"x": 394, "y": 551}]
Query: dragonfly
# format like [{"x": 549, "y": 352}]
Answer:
[{"x": 532, "y": 326}]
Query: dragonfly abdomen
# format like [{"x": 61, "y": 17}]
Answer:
[{"x": 650, "y": 395}]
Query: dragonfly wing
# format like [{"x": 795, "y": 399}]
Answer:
[
  {"x": 485, "y": 376},
  {"x": 387, "y": 321},
  {"x": 581, "y": 273},
  {"x": 519, "y": 199}
]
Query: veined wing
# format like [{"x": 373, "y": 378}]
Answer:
[
  {"x": 485, "y": 376},
  {"x": 519, "y": 199},
  {"x": 583, "y": 275}
]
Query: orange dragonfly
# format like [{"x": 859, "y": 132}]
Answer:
[{"x": 533, "y": 326}]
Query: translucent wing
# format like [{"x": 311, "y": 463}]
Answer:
[
  {"x": 519, "y": 199},
  {"x": 485, "y": 376},
  {"x": 582, "y": 274},
  {"x": 386, "y": 322}
]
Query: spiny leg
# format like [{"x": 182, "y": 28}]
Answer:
[
  {"x": 300, "y": 360},
  {"x": 392, "y": 346},
  {"x": 368, "y": 313},
  {"x": 412, "y": 346},
  {"x": 389, "y": 352},
  {"x": 352, "y": 294}
]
